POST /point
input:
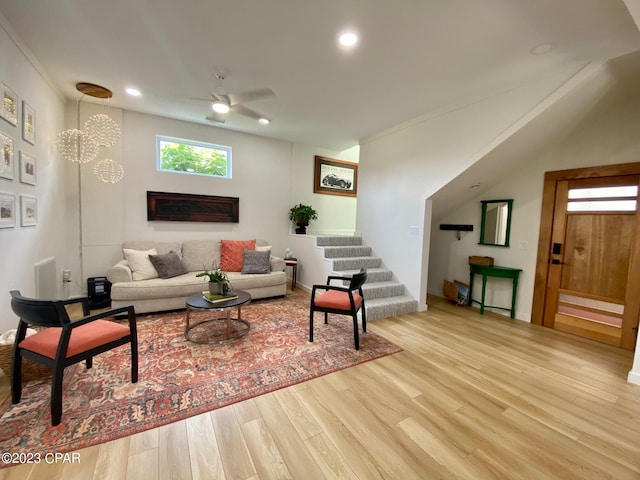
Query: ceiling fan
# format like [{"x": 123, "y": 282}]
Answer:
[{"x": 224, "y": 102}]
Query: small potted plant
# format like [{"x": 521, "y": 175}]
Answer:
[
  {"x": 218, "y": 280},
  {"x": 302, "y": 215}
]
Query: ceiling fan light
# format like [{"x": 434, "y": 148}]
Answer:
[
  {"x": 264, "y": 121},
  {"x": 220, "y": 107}
]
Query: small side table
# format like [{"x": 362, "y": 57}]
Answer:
[
  {"x": 293, "y": 263},
  {"x": 499, "y": 272}
]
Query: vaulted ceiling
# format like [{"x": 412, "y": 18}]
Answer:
[{"x": 414, "y": 56}]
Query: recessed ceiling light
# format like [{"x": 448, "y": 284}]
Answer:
[
  {"x": 220, "y": 107},
  {"x": 348, "y": 39},
  {"x": 264, "y": 121},
  {"x": 134, "y": 92}
]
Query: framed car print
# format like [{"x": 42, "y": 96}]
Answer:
[{"x": 335, "y": 177}]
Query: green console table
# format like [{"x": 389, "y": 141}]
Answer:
[{"x": 493, "y": 271}]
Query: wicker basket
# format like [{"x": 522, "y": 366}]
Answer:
[
  {"x": 484, "y": 261},
  {"x": 30, "y": 370}
]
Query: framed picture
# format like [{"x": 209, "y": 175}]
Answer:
[
  {"x": 6, "y": 161},
  {"x": 27, "y": 168},
  {"x": 28, "y": 123},
  {"x": 7, "y": 210},
  {"x": 9, "y": 107},
  {"x": 335, "y": 177},
  {"x": 28, "y": 211}
]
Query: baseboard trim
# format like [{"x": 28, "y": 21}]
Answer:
[{"x": 634, "y": 377}]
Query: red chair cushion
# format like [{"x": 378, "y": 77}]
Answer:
[
  {"x": 83, "y": 338},
  {"x": 337, "y": 300}
]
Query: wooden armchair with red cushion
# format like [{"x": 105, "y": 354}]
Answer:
[
  {"x": 62, "y": 342},
  {"x": 344, "y": 300}
]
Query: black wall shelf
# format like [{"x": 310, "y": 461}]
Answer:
[{"x": 458, "y": 228}]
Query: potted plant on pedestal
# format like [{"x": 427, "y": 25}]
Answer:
[
  {"x": 218, "y": 280},
  {"x": 302, "y": 215}
]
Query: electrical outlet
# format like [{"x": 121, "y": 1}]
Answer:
[
  {"x": 413, "y": 230},
  {"x": 523, "y": 244},
  {"x": 66, "y": 276}
]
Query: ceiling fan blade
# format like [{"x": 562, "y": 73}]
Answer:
[
  {"x": 215, "y": 118},
  {"x": 242, "y": 110},
  {"x": 212, "y": 98},
  {"x": 250, "y": 96}
]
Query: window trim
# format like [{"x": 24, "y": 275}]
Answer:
[{"x": 194, "y": 143}]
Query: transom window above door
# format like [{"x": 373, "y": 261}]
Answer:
[{"x": 603, "y": 199}]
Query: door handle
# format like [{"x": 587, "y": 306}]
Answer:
[{"x": 555, "y": 261}]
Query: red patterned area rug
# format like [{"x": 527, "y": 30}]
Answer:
[{"x": 179, "y": 379}]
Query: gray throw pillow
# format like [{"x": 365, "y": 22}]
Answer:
[
  {"x": 168, "y": 265},
  {"x": 256, "y": 262}
]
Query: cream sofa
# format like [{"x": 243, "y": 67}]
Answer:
[{"x": 158, "y": 294}]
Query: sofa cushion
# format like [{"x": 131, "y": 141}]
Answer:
[
  {"x": 188, "y": 284},
  {"x": 180, "y": 286},
  {"x": 161, "y": 247},
  {"x": 168, "y": 265},
  {"x": 231, "y": 254},
  {"x": 141, "y": 266},
  {"x": 256, "y": 261},
  {"x": 249, "y": 282},
  {"x": 199, "y": 255}
]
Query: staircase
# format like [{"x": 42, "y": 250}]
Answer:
[{"x": 383, "y": 296}]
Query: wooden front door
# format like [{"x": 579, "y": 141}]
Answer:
[{"x": 592, "y": 256}]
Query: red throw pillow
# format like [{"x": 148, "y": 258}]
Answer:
[{"x": 231, "y": 254}]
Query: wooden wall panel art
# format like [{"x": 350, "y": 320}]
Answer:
[{"x": 186, "y": 207}]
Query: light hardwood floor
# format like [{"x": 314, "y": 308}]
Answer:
[{"x": 470, "y": 397}]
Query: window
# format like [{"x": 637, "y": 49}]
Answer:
[
  {"x": 603, "y": 199},
  {"x": 196, "y": 158}
]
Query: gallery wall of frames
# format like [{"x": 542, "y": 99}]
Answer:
[{"x": 18, "y": 162}]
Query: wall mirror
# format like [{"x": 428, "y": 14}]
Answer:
[{"x": 496, "y": 222}]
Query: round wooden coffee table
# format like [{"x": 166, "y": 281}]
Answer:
[{"x": 217, "y": 329}]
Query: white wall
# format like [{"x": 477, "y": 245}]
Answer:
[
  {"x": 336, "y": 214},
  {"x": 448, "y": 258},
  {"x": 607, "y": 135},
  {"x": 22, "y": 247},
  {"x": 261, "y": 180},
  {"x": 401, "y": 169},
  {"x": 268, "y": 176}
]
